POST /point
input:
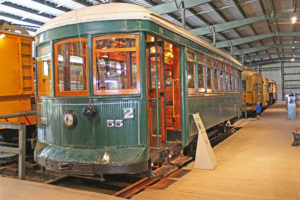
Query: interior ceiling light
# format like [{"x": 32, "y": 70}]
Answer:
[
  {"x": 2, "y": 36},
  {"x": 293, "y": 59},
  {"x": 294, "y": 19}
]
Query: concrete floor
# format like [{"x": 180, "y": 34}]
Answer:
[{"x": 258, "y": 162}]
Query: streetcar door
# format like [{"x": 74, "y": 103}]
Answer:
[
  {"x": 163, "y": 82},
  {"x": 156, "y": 92}
]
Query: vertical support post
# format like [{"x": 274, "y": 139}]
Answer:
[
  {"x": 214, "y": 37},
  {"x": 205, "y": 74},
  {"x": 22, "y": 148},
  {"x": 157, "y": 97},
  {"x": 259, "y": 69},
  {"x": 243, "y": 58},
  {"x": 231, "y": 49},
  {"x": 282, "y": 79},
  {"x": 182, "y": 14}
]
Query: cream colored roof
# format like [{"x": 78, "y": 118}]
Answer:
[{"x": 121, "y": 11}]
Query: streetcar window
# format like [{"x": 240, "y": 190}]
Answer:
[
  {"x": 201, "y": 74},
  {"x": 71, "y": 67},
  {"x": 244, "y": 85},
  {"x": 209, "y": 64},
  {"x": 232, "y": 79},
  {"x": 227, "y": 78},
  {"x": 222, "y": 77},
  {"x": 44, "y": 70},
  {"x": 191, "y": 63},
  {"x": 216, "y": 76},
  {"x": 116, "y": 64}
]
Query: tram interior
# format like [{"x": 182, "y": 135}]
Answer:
[{"x": 164, "y": 87}]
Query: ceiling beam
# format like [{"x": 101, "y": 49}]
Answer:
[
  {"x": 172, "y": 6},
  {"x": 29, "y": 10},
  {"x": 234, "y": 24},
  {"x": 85, "y": 3},
  {"x": 261, "y": 48},
  {"x": 244, "y": 40},
  {"x": 264, "y": 56},
  {"x": 52, "y": 5},
  {"x": 21, "y": 19},
  {"x": 269, "y": 61}
]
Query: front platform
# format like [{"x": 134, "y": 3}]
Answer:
[{"x": 257, "y": 162}]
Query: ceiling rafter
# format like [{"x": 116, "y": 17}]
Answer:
[
  {"x": 264, "y": 56},
  {"x": 244, "y": 40},
  {"x": 172, "y": 6},
  {"x": 238, "y": 23},
  {"x": 270, "y": 61},
  {"x": 268, "y": 21},
  {"x": 262, "y": 48},
  {"x": 25, "y": 9},
  {"x": 21, "y": 18}
]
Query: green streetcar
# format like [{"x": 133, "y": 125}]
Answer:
[{"x": 117, "y": 87}]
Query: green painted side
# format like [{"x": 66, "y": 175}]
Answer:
[
  {"x": 91, "y": 133},
  {"x": 213, "y": 109},
  {"x": 122, "y": 26},
  {"x": 184, "y": 108},
  {"x": 91, "y": 136}
]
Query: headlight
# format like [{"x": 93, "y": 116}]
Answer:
[
  {"x": 105, "y": 158},
  {"x": 70, "y": 119}
]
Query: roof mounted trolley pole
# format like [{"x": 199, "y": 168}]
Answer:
[{"x": 21, "y": 150}]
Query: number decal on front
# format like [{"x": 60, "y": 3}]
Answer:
[
  {"x": 118, "y": 123},
  {"x": 110, "y": 123},
  {"x": 128, "y": 113},
  {"x": 114, "y": 123}
]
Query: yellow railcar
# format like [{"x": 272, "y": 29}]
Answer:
[
  {"x": 265, "y": 101},
  {"x": 252, "y": 85},
  {"x": 16, "y": 75},
  {"x": 272, "y": 92}
]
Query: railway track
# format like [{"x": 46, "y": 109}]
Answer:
[{"x": 124, "y": 186}]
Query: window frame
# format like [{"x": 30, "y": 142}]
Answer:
[
  {"x": 191, "y": 90},
  {"x": 136, "y": 49},
  {"x": 50, "y": 75},
  {"x": 202, "y": 64},
  {"x": 76, "y": 92}
]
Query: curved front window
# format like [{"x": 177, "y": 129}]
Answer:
[
  {"x": 71, "y": 67},
  {"x": 116, "y": 68}
]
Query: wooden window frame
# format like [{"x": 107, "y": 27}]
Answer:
[
  {"x": 216, "y": 67},
  {"x": 39, "y": 73},
  {"x": 71, "y": 93},
  {"x": 192, "y": 90},
  {"x": 202, "y": 63},
  {"x": 136, "y": 49}
]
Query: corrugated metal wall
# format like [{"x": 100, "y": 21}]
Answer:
[{"x": 291, "y": 77}]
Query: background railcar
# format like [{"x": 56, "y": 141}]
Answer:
[
  {"x": 272, "y": 92},
  {"x": 266, "y": 97},
  {"x": 117, "y": 87},
  {"x": 252, "y": 89},
  {"x": 16, "y": 80}
]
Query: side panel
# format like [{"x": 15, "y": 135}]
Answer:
[
  {"x": 213, "y": 109},
  {"x": 109, "y": 127}
]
